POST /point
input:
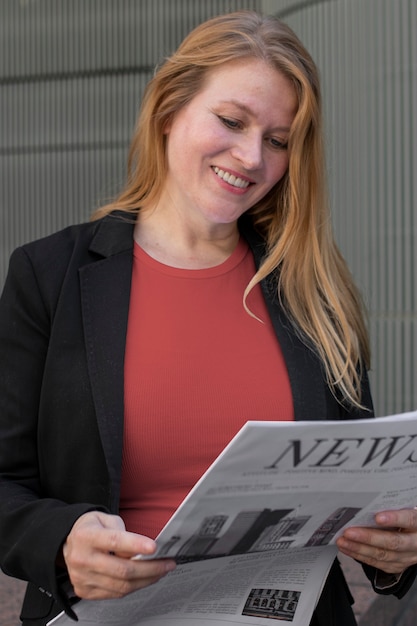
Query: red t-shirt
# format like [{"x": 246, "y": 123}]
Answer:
[{"x": 197, "y": 367}]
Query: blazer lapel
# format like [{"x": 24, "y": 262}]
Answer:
[
  {"x": 303, "y": 365},
  {"x": 105, "y": 293}
]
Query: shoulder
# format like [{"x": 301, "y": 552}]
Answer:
[
  {"x": 79, "y": 244},
  {"x": 47, "y": 264},
  {"x": 43, "y": 263},
  {"x": 38, "y": 269},
  {"x": 60, "y": 242}
]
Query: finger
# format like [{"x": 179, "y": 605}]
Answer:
[
  {"x": 106, "y": 533},
  {"x": 380, "y": 545},
  {"x": 385, "y": 550},
  {"x": 380, "y": 538},
  {"x": 375, "y": 558},
  {"x": 406, "y": 519},
  {"x": 123, "y": 543},
  {"x": 113, "y": 577}
]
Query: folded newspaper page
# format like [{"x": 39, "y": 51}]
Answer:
[{"x": 255, "y": 538}]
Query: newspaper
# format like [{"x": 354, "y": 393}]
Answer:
[{"x": 255, "y": 538}]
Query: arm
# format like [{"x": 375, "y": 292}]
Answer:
[
  {"x": 50, "y": 520},
  {"x": 32, "y": 525}
]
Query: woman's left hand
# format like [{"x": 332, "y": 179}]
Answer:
[{"x": 390, "y": 547}]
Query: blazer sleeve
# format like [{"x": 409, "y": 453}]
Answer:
[
  {"x": 397, "y": 586},
  {"x": 33, "y": 526}
]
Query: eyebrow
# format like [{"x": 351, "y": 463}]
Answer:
[{"x": 249, "y": 111}]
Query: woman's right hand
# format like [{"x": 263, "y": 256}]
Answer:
[{"x": 98, "y": 556}]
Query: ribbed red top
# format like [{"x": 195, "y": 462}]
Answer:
[{"x": 197, "y": 367}]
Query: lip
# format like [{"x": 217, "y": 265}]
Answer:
[{"x": 226, "y": 185}]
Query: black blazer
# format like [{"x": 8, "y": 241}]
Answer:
[{"x": 63, "y": 320}]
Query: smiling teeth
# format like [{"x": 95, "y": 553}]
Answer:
[{"x": 232, "y": 180}]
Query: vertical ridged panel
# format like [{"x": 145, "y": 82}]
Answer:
[
  {"x": 367, "y": 53},
  {"x": 72, "y": 74}
]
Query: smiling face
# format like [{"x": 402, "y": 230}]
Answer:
[{"x": 228, "y": 146}]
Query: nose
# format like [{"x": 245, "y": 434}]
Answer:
[{"x": 248, "y": 149}]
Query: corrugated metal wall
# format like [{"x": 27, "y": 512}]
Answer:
[
  {"x": 72, "y": 74},
  {"x": 367, "y": 53}
]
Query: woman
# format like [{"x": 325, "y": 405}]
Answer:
[{"x": 210, "y": 292}]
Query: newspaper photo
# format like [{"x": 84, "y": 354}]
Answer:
[{"x": 255, "y": 538}]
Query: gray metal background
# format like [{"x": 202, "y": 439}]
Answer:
[
  {"x": 72, "y": 73},
  {"x": 367, "y": 53}
]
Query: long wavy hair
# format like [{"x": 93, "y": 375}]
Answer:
[{"x": 312, "y": 279}]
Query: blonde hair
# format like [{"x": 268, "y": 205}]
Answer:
[{"x": 313, "y": 281}]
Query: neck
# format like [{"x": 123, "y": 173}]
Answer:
[{"x": 184, "y": 245}]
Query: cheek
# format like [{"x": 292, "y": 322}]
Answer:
[
  {"x": 278, "y": 169},
  {"x": 191, "y": 146},
  {"x": 179, "y": 151}
]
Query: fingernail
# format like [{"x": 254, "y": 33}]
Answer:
[
  {"x": 148, "y": 546},
  {"x": 170, "y": 565}
]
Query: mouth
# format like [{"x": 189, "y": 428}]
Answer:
[{"x": 233, "y": 180}]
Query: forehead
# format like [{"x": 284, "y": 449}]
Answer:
[{"x": 251, "y": 85}]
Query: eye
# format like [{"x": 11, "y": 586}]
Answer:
[
  {"x": 277, "y": 144},
  {"x": 230, "y": 123}
]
